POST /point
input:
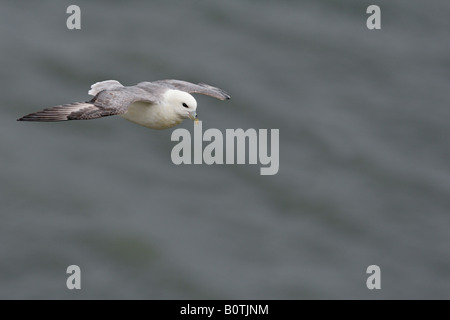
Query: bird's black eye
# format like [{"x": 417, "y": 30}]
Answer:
[{"x": 185, "y": 105}]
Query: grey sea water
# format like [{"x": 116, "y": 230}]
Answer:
[{"x": 364, "y": 152}]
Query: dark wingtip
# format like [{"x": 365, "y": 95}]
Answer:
[
  {"x": 225, "y": 95},
  {"x": 28, "y": 117},
  {"x": 222, "y": 92},
  {"x": 25, "y": 118}
]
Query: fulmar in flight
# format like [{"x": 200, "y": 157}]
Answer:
[{"x": 159, "y": 104}]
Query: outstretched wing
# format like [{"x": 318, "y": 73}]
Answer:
[
  {"x": 61, "y": 113},
  {"x": 105, "y": 103},
  {"x": 104, "y": 85},
  {"x": 200, "y": 88}
]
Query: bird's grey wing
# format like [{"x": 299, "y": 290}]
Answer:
[
  {"x": 200, "y": 88},
  {"x": 61, "y": 112},
  {"x": 104, "y": 85},
  {"x": 105, "y": 103},
  {"x": 117, "y": 101}
]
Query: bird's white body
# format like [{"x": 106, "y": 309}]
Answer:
[
  {"x": 151, "y": 116},
  {"x": 165, "y": 114}
]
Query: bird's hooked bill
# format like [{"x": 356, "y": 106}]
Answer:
[{"x": 193, "y": 116}]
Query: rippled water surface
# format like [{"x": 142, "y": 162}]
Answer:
[{"x": 364, "y": 155}]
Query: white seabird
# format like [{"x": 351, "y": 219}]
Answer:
[{"x": 159, "y": 104}]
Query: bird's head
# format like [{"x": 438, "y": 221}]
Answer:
[{"x": 183, "y": 103}]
